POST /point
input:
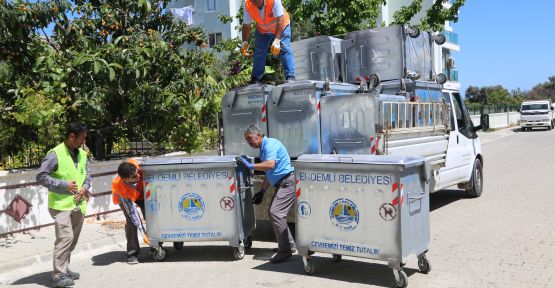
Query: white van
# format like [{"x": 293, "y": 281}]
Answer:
[{"x": 536, "y": 114}]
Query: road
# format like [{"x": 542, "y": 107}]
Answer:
[{"x": 506, "y": 238}]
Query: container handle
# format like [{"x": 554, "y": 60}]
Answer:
[
  {"x": 291, "y": 111},
  {"x": 312, "y": 62},
  {"x": 418, "y": 197},
  {"x": 345, "y": 159},
  {"x": 241, "y": 114},
  {"x": 361, "y": 60}
]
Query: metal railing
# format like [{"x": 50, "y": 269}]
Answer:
[
  {"x": 102, "y": 144},
  {"x": 489, "y": 109},
  {"x": 410, "y": 115}
]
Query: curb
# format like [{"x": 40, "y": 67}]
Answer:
[{"x": 81, "y": 248}]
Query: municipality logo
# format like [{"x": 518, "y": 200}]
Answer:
[
  {"x": 344, "y": 214},
  {"x": 191, "y": 206}
]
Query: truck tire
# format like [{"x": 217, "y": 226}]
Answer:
[{"x": 476, "y": 180}]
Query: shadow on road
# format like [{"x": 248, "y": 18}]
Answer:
[
  {"x": 349, "y": 271},
  {"x": 40, "y": 279},
  {"x": 446, "y": 197}
]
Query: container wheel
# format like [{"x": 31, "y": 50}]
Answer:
[
  {"x": 239, "y": 252},
  {"x": 424, "y": 264},
  {"x": 336, "y": 257},
  {"x": 401, "y": 279},
  {"x": 248, "y": 242},
  {"x": 178, "y": 245},
  {"x": 159, "y": 254},
  {"x": 476, "y": 180},
  {"x": 308, "y": 265}
]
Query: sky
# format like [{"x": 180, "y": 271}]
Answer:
[{"x": 508, "y": 43}]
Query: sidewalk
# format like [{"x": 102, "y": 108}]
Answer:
[
  {"x": 27, "y": 249},
  {"x": 492, "y": 136}
]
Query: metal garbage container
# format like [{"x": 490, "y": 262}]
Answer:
[
  {"x": 205, "y": 198},
  {"x": 367, "y": 206},
  {"x": 294, "y": 113},
  {"x": 240, "y": 108}
]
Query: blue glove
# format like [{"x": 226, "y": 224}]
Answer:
[{"x": 247, "y": 163}]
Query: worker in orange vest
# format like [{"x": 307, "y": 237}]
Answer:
[
  {"x": 272, "y": 27},
  {"x": 129, "y": 184}
]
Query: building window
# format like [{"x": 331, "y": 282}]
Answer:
[
  {"x": 214, "y": 39},
  {"x": 211, "y": 5}
]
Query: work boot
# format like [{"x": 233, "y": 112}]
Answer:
[
  {"x": 280, "y": 256},
  {"x": 293, "y": 250},
  {"x": 290, "y": 80},
  {"x": 132, "y": 260},
  {"x": 72, "y": 275},
  {"x": 255, "y": 81},
  {"x": 62, "y": 281}
]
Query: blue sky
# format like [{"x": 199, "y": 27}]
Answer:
[{"x": 510, "y": 43}]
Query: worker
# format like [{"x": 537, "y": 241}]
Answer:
[
  {"x": 65, "y": 173},
  {"x": 129, "y": 184},
  {"x": 272, "y": 27},
  {"x": 275, "y": 162}
]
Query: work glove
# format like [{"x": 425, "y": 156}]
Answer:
[
  {"x": 247, "y": 163},
  {"x": 245, "y": 48},
  {"x": 257, "y": 198},
  {"x": 275, "y": 48}
]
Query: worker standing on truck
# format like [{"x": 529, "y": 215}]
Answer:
[
  {"x": 276, "y": 164},
  {"x": 272, "y": 26}
]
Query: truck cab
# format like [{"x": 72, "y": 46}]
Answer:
[
  {"x": 464, "y": 161},
  {"x": 536, "y": 114}
]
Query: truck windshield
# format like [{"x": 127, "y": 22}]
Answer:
[{"x": 534, "y": 107}]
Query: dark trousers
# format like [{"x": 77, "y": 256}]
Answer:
[
  {"x": 283, "y": 200},
  {"x": 133, "y": 246}
]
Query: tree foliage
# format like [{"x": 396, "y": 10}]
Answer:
[
  {"x": 435, "y": 17},
  {"x": 332, "y": 17},
  {"x": 108, "y": 64},
  {"x": 493, "y": 95},
  {"x": 545, "y": 90}
]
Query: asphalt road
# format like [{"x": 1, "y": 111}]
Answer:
[{"x": 506, "y": 238}]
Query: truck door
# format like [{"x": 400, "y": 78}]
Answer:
[
  {"x": 449, "y": 174},
  {"x": 466, "y": 137}
]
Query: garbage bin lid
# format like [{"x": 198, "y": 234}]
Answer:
[
  {"x": 188, "y": 160},
  {"x": 405, "y": 161}
]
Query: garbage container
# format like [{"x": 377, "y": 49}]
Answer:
[
  {"x": 367, "y": 206},
  {"x": 204, "y": 198}
]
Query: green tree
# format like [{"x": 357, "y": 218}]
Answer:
[
  {"x": 108, "y": 64},
  {"x": 543, "y": 90}
]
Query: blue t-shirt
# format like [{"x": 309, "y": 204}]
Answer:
[{"x": 272, "y": 149}]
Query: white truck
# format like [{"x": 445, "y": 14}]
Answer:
[{"x": 537, "y": 114}]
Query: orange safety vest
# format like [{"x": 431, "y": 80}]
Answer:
[
  {"x": 269, "y": 24},
  {"x": 126, "y": 191}
]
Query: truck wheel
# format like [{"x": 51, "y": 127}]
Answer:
[
  {"x": 549, "y": 127},
  {"x": 476, "y": 180}
]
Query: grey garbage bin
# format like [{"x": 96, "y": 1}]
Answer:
[
  {"x": 367, "y": 206},
  {"x": 204, "y": 198}
]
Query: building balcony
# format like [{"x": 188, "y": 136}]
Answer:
[
  {"x": 452, "y": 75},
  {"x": 452, "y": 37}
]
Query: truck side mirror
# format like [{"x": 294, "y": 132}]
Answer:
[
  {"x": 477, "y": 128},
  {"x": 552, "y": 108},
  {"x": 518, "y": 110}
]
